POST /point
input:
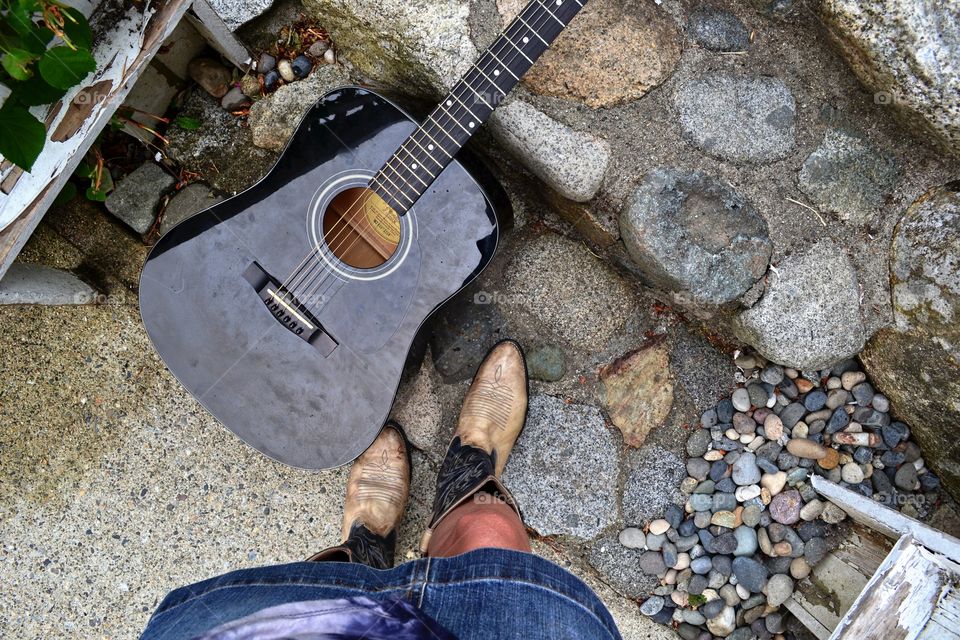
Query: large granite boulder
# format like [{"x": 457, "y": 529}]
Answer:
[
  {"x": 695, "y": 237},
  {"x": 916, "y": 363},
  {"x": 809, "y": 316},
  {"x": 908, "y": 53},
  {"x": 613, "y": 52}
]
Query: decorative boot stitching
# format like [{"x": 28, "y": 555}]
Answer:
[
  {"x": 370, "y": 549},
  {"x": 464, "y": 470}
]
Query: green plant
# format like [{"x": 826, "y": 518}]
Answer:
[{"x": 35, "y": 72}]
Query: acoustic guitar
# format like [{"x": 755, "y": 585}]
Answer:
[{"x": 288, "y": 311}]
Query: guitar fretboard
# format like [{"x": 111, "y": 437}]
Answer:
[{"x": 420, "y": 159}]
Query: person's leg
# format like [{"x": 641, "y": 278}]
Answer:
[
  {"x": 482, "y": 522},
  {"x": 472, "y": 509},
  {"x": 377, "y": 492}
]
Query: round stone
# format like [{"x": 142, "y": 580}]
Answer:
[
  {"x": 830, "y": 460},
  {"x": 814, "y": 550},
  {"x": 741, "y": 400},
  {"x": 751, "y": 515},
  {"x": 652, "y": 606},
  {"x": 850, "y": 379},
  {"x": 701, "y": 565},
  {"x": 785, "y": 507},
  {"x": 632, "y": 538},
  {"x": 773, "y": 427},
  {"x": 724, "y": 623},
  {"x": 746, "y": 541},
  {"x": 747, "y": 493},
  {"x": 851, "y": 473},
  {"x": 751, "y": 575},
  {"x": 724, "y": 519},
  {"x": 799, "y": 567},
  {"x": 301, "y": 66},
  {"x": 285, "y": 67},
  {"x": 811, "y": 510},
  {"x": 815, "y": 400},
  {"x": 659, "y": 527},
  {"x": 745, "y": 470},
  {"x": 779, "y": 589},
  {"x": 774, "y": 482},
  {"x": 698, "y": 443},
  {"x": 712, "y": 609},
  {"x": 808, "y": 449},
  {"x": 832, "y": 514}
]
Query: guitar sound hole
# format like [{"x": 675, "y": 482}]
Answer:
[{"x": 360, "y": 228}]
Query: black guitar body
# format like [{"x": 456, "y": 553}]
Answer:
[{"x": 311, "y": 384}]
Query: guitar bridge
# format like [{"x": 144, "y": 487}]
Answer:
[{"x": 288, "y": 311}]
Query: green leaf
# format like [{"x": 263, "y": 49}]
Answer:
[
  {"x": 16, "y": 63},
  {"x": 95, "y": 195},
  {"x": 36, "y": 42},
  {"x": 62, "y": 67},
  {"x": 20, "y": 17},
  {"x": 21, "y": 135},
  {"x": 36, "y": 91},
  {"x": 77, "y": 29},
  {"x": 84, "y": 170},
  {"x": 68, "y": 193},
  {"x": 188, "y": 123}
]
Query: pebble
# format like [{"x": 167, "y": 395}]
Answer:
[
  {"x": 815, "y": 400},
  {"x": 266, "y": 63},
  {"x": 779, "y": 589},
  {"x": 632, "y": 538},
  {"x": 658, "y": 527},
  {"x": 725, "y": 410},
  {"x": 702, "y": 565},
  {"x": 772, "y": 374},
  {"x": 804, "y": 385},
  {"x": 774, "y": 482},
  {"x": 698, "y": 443},
  {"x": 270, "y": 80},
  {"x": 655, "y": 542},
  {"x": 751, "y": 575},
  {"x": 782, "y": 549},
  {"x": 746, "y": 541},
  {"x": 811, "y": 510},
  {"x": 792, "y": 414},
  {"x": 806, "y": 449},
  {"x": 799, "y": 568},
  {"x": 286, "y": 70},
  {"x": 832, "y": 514},
  {"x": 330, "y": 56},
  {"x": 698, "y": 468},
  {"x": 837, "y": 398},
  {"x": 773, "y": 427},
  {"x": 741, "y": 399},
  {"x": 758, "y": 395},
  {"x": 687, "y": 485},
  {"x": 785, "y": 507},
  {"x": 680, "y": 598},
  {"x": 830, "y": 460},
  {"x": 851, "y": 473},
  {"x": 728, "y": 593},
  {"x": 881, "y": 403},
  {"x": 683, "y": 561},
  {"x": 743, "y": 424},
  {"x": 723, "y": 544},
  {"x": 697, "y": 585},
  {"x": 751, "y": 515},
  {"x": 694, "y": 617},
  {"x": 863, "y": 393},
  {"x": 318, "y": 48},
  {"x": 713, "y": 455},
  {"x": 301, "y": 66},
  {"x": 906, "y": 478},
  {"x": 850, "y": 379},
  {"x": 724, "y": 623},
  {"x": 724, "y": 502},
  {"x": 745, "y": 471},
  {"x": 712, "y": 609},
  {"x": 670, "y": 555},
  {"x": 234, "y": 99},
  {"x": 814, "y": 550},
  {"x": 747, "y": 493},
  {"x": 724, "y": 519},
  {"x": 652, "y": 605},
  {"x": 652, "y": 564}
]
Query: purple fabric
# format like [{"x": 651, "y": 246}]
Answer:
[{"x": 358, "y": 618}]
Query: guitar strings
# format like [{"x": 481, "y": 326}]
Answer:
[
  {"x": 298, "y": 282},
  {"x": 312, "y": 285}
]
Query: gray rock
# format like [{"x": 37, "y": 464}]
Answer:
[
  {"x": 236, "y": 12},
  {"x": 906, "y": 54},
  {"x": 190, "y": 200},
  {"x": 697, "y": 444},
  {"x": 653, "y": 485},
  {"x": 916, "y": 363},
  {"x": 546, "y": 363},
  {"x": 623, "y": 568},
  {"x": 573, "y": 163},
  {"x": 746, "y": 541},
  {"x": 701, "y": 565},
  {"x": 234, "y": 99},
  {"x": 36, "y": 284},
  {"x": 136, "y": 197},
  {"x": 560, "y": 498},
  {"x": 809, "y": 316},
  {"x": 848, "y": 176},
  {"x": 738, "y": 118},
  {"x": 632, "y": 538},
  {"x": 717, "y": 29},
  {"x": 745, "y": 471},
  {"x": 695, "y": 236},
  {"x": 698, "y": 467},
  {"x": 274, "y": 118},
  {"x": 750, "y": 573},
  {"x": 779, "y": 589},
  {"x": 652, "y": 605}
]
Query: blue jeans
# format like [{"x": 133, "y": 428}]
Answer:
[{"x": 485, "y": 594}]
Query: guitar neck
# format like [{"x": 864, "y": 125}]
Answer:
[{"x": 415, "y": 165}]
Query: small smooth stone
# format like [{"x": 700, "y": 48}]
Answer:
[
  {"x": 723, "y": 544},
  {"x": 807, "y": 492},
  {"x": 301, "y": 66},
  {"x": 799, "y": 568},
  {"x": 815, "y": 400},
  {"x": 318, "y": 48},
  {"x": 772, "y": 427},
  {"x": 750, "y": 574},
  {"x": 724, "y": 623},
  {"x": 687, "y": 485},
  {"x": 234, "y": 99},
  {"x": 727, "y": 485},
  {"x": 806, "y": 449},
  {"x": 863, "y": 393},
  {"x": 741, "y": 400},
  {"x": 852, "y": 473},
  {"x": 658, "y": 527},
  {"x": 906, "y": 478},
  {"x": 722, "y": 564},
  {"x": 792, "y": 414},
  {"x": 266, "y": 63},
  {"x": 697, "y": 585},
  {"x": 330, "y": 56},
  {"x": 881, "y": 402},
  {"x": 698, "y": 443},
  {"x": 702, "y": 519},
  {"x": 632, "y": 538},
  {"x": 796, "y": 476},
  {"x": 701, "y": 502},
  {"x": 811, "y": 510},
  {"x": 758, "y": 395},
  {"x": 751, "y": 515},
  {"x": 718, "y": 470},
  {"x": 701, "y": 565},
  {"x": 724, "y": 502},
  {"x": 747, "y": 493},
  {"x": 705, "y": 487},
  {"x": 772, "y": 374},
  {"x": 742, "y": 591},
  {"x": 655, "y": 542},
  {"x": 742, "y": 423},
  {"x": 725, "y": 410},
  {"x": 728, "y": 593},
  {"x": 716, "y": 579},
  {"x": 746, "y": 541},
  {"x": 285, "y": 67},
  {"x": 698, "y": 468},
  {"x": 670, "y": 555},
  {"x": 652, "y": 606},
  {"x": 724, "y": 519},
  {"x": 832, "y": 514},
  {"x": 713, "y": 608},
  {"x": 782, "y": 549},
  {"x": 863, "y": 455},
  {"x": 837, "y": 398},
  {"x": 671, "y": 577},
  {"x": 745, "y": 471},
  {"x": 785, "y": 507},
  {"x": 651, "y": 563},
  {"x": 830, "y": 460},
  {"x": 680, "y": 598},
  {"x": 713, "y": 456},
  {"x": 683, "y": 561},
  {"x": 767, "y": 466},
  {"x": 850, "y": 379},
  {"x": 692, "y": 616},
  {"x": 270, "y": 80},
  {"x": 810, "y": 530},
  {"x": 732, "y": 434},
  {"x": 674, "y": 515},
  {"x": 789, "y": 389},
  {"x": 779, "y": 590},
  {"x": 774, "y": 482},
  {"x": 833, "y": 382},
  {"x": 686, "y": 543}
]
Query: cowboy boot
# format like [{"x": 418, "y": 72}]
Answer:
[
  {"x": 493, "y": 414},
  {"x": 377, "y": 492}
]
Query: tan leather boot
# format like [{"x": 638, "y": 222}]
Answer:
[
  {"x": 493, "y": 414},
  {"x": 377, "y": 493}
]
